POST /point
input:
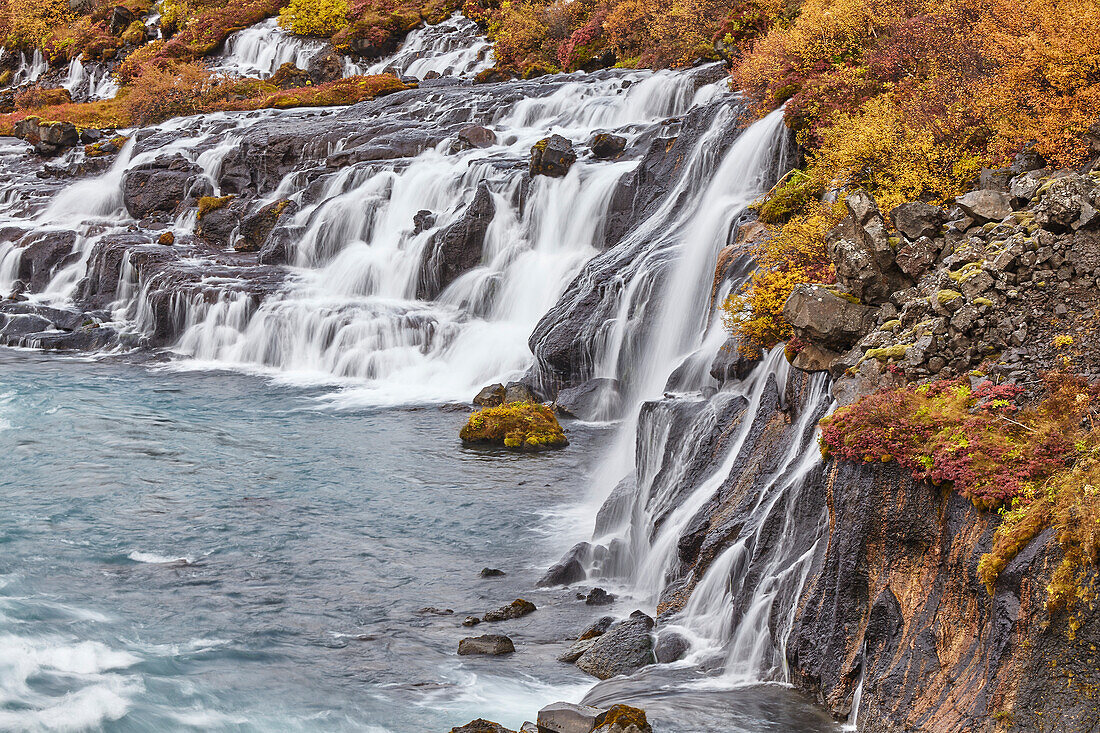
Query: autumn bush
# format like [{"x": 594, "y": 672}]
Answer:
[{"x": 314, "y": 17}]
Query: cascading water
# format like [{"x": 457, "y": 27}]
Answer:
[
  {"x": 29, "y": 68},
  {"x": 93, "y": 85},
  {"x": 259, "y": 51},
  {"x": 454, "y": 47}
]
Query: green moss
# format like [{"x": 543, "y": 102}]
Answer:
[
  {"x": 212, "y": 203},
  {"x": 622, "y": 717},
  {"x": 890, "y": 325},
  {"x": 526, "y": 426},
  {"x": 787, "y": 197},
  {"x": 967, "y": 271},
  {"x": 886, "y": 353}
]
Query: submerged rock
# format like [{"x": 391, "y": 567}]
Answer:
[
  {"x": 489, "y": 644},
  {"x": 599, "y": 597},
  {"x": 491, "y": 573}
]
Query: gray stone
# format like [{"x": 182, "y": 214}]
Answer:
[
  {"x": 490, "y": 396},
  {"x": 518, "y": 392},
  {"x": 599, "y": 597},
  {"x": 671, "y": 647},
  {"x": 476, "y": 136},
  {"x": 595, "y": 399},
  {"x": 597, "y": 628},
  {"x": 565, "y": 717},
  {"x": 916, "y": 257},
  {"x": 570, "y": 569},
  {"x": 821, "y": 317},
  {"x": 552, "y": 156},
  {"x": 916, "y": 219},
  {"x": 515, "y": 609},
  {"x": 625, "y": 648},
  {"x": 579, "y": 647},
  {"x": 606, "y": 145},
  {"x": 481, "y": 726},
  {"x": 489, "y": 644},
  {"x": 985, "y": 205}
]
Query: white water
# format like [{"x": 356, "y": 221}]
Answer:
[
  {"x": 259, "y": 51},
  {"x": 29, "y": 69},
  {"x": 451, "y": 48},
  {"x": 94, "y": 85},
  {"x": 351, "y": 315}
]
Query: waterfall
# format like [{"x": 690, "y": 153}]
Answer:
[
  {"x": 97, "y": 84},
  {"x": 29, "y": 69},
  {"x": 259, "y": 51},
  {"x": 454, "y": 47}
]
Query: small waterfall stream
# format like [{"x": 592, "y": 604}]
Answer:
[{"x": 259, "y": 51}]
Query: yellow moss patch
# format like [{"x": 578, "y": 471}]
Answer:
[
  {"x": 212, "y": 203},
  {"x": 525, "y": 426},
  {"x": 623, "y": 717}
]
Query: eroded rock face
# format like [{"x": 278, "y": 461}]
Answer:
[
  {"x": 593, "y": 400},
  {"x": 826, "y": 318},
  {"x": 570, "y": 569},
  {"x": 456, "y": 249},
  {"x": 625, "y": 648},
  {"x": 863, "y": 254},
  {"x": 41, "y": 255},
  {"x": 896, "y": 592}
]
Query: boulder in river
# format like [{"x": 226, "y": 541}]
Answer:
[
  {"x": 552, "y": 156},
  {"x": 490, "y": 396},
  {"x": 597, "y": 628},
  {"x": 489, "y": 644},
  {"x": 491, "y": 573},
  {"x": 520, "y": 426},
  {"x": 671, "y": 647},
  {"x": 566, "y": 717},
  {"x": 591, "y": 400},
  {"x": 482, "y": 726},
  {"x": 625, "y": 648},
  {"x": 476, "y": 136},
  {"x": 256, "y": 228},
  {"x": 515, "y": 609},
  {"x": 605, "y": 145},
  {"x": 599, "y": 597},
  {"x": 622, "y": 719},
  {"x": 568, "y": 570}
]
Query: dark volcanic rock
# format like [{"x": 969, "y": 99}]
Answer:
[
  {"x": 256, "y": 228},
  {"x": 671, "y": 647},
  {"x": 482, "y": 726},
  {"x": 570, "y": 569},
  {"x": 490, "y": 644},
  {"x": 599, "y": 597},
  {"x": 41, "y": 254},
  {"x": 160, "y": 186},
  {"x": 490, "y": 396},
  {"x": 515, "y": 609},
  {"x": 625, "y": 648},
  {"x": 606, "y": 145},
  {"x": 593, "y": 400},
  {"x": 457, "y": 248},
  {"x": 552, "y": 156},
  {"x": 476, "y": 136}
]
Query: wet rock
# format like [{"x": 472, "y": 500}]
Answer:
[
  {"x": 158, "y": 186},
  {"x": 482, "y": 726},
  {"x": 457, "y": 248},
  {"x": 280, "y": 244},
  {"x": 622, "y": 719},
  {"x": 513, "y": 610},
  {"x": 15, "y": 326},
  {"x": 476, "y": 136},
  {"x": 604, "y": 60},
  {"x": 568, "y": 570},
  {"x": 576, "y": 649},
  {"x": 491, "y": 573},
  {"x": 597, "y": 628},
  {"x": 289, "y": 76},
  {"x": 471, "y": 621},
  {"x": 565, "y": 717},
  {"x": 489, "y": 644},
  {"x": 985, "y": 205},
  {"x": 41, "y": 254},
  {"x": 256, "y": 228},
  {"x": 433, "y": 611},
  {"x": 490, "y": 396},
  {"x": 594, "y": 399},
  {"x": 518, "y": 392},
  {"x": 599, "y": 597},
  {"x": 604, "y": 145},
  {"x": 824, "y": 318},
  {"x": 625, "y": 648},
  {"x": 733, "y": 362},
  {"x": 326, "y": 66},
  {"x": 423, "y": 220},
  {"x": 217, "y": 226},
  {"x": 916, "y": 219},
  {"x": 671, "y": 647},
  {"x": 552, "y": 156}
]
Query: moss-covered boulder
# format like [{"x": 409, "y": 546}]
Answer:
[{"x": 525, "y": 426}]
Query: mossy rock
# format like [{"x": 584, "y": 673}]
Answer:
[
  {"x": 519, "y": 426},
  {"x": 212, "y": 203},
  {"x": 622, "y": 719}
]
